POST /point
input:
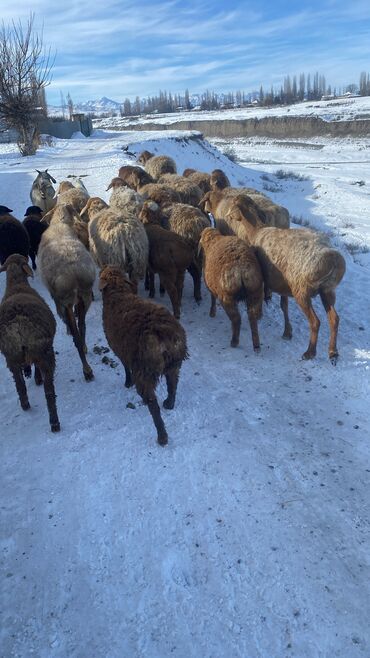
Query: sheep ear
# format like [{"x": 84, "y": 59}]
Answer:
[
  {"x": 26, "y": 268},
  {"x": 109, "y": 187},
  {"x": 234, "y": 213}
]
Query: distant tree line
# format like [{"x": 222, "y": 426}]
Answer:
[{"x": 293, "y": 90}]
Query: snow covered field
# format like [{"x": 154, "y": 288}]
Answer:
[
  {"x": 248, "y": 535},
  {"x": 338, "y": 109}
]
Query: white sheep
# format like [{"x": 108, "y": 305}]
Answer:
[{"x": 68, "y": 271}]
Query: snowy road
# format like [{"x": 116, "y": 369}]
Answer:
[{"x": 249, "y": 535}]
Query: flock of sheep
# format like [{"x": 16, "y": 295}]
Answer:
[{"x": 157, "y": 222}]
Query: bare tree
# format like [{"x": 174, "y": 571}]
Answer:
[
  {"x": 25, "y": 71},
  {"x": 70, "y": 106}
]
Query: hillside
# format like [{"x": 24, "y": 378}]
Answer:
[{"x": 248, "y": 535}]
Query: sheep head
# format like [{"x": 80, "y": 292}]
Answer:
[
  {"x": 4, "y": 210},
  {"x": 243, "y": 209},
  {"x": 17, "y": 263},
  {"x": 64, "y": 186},
  {"x": 208, "y": 234},
  {"x": 64, "y": 214},
  {"x": 144, "y": 157},
  {"x": 116, "y": 182},
  {"x": 218, "y": 180},
  {"x": 113, "y": 277},
  {"x": 150, "y": 213},
  {"x": 93, "y": 206}
]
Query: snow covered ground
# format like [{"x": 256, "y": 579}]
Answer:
[
  {"x": 338, "y": 109},
  {"x": 248, "y": 535}
]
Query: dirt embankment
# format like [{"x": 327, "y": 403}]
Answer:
[{"x": 267, "y": 127}]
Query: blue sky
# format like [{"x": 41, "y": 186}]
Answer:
[{"x": 123, "y": 48}]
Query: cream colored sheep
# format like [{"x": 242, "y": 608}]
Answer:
[
  {"x": 297, "y": 263},
  {"x": 218, "y": 202},
  {"x": 70, "y": 195},
  {"x": 117, "y": 238},
  {"x": 123, "y": 198},
  {"x": 68, "y": 272}
]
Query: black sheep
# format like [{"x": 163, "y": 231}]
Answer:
[
  {"x": 13, "y": 236},
  {"x": 35, "y": 228}
]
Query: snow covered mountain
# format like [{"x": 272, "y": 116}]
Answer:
[{"x": 101, "y": 106}]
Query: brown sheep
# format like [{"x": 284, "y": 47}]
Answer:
[
  {"x": 188, "y": 171},
  {"x": 27, "y": 330},
  {"x": 232, "y": 273},
  {"x": 218, "y": 202},
  {"x": 161, "y": 194},
  {"x": 297, "y": 263},
  {"x": 189, "y": 222},
  {"x": 169, "y": 256},
  {"x": 146, "y": 338},
  {"x": 187, "y": 190},
  {"x": 144, "y": 157},
  {"x": 132, "y": 176},
  {"x": 157, "y": 165},
  {"x": 201, "y": 179},
  {"x": 218, "y": 180}
]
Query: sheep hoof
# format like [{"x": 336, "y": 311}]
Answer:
[
  {"x": 168, "y": 404},
  {"x": 308, "y": 355},
  {"x": 89, "y": 375},
  {"x": 234, "y": 342},
  {"x": 162, "y": 440},
  {"x": 55, "y": 427},
  {"x": 334, "y": 358},
  {"x": 257, "y": 350},
  {"x": 287, "y": 336},
  {"x": 25, "y": 405}
]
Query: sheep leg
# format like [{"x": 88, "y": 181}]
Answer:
[
  {"x": 146, "y": 391},
  {"x": 195, "y": 273},
  {"x": 20, "y": 386},
  {"x": 328, "y": 301},
  {"x": 151, "y": 286},
  {"x": 172, "y": 378},
  {"x": 212, "y": 310},
  {"x": 180, "y": 283},
  {"x": 170, "y": 287},
  {"x": 254, "y": 329},
  {"x": 161, "y": 290},
  {"x": 287, "y": 335},
  {"x": 146, "y": 280},
  {"x": 128, "y": 380},
  {"x": 232, "y": 312},
  {"x": 47, "y": 368},
  {"x": 71, "y": 324},
  {"x": 32, "y": 256},
  {"x": 314, "y": 323},
  {"x": 153, "y": 406},
  {"x": 38, "y": 376},
  {"x": 80, "y": 312}
]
